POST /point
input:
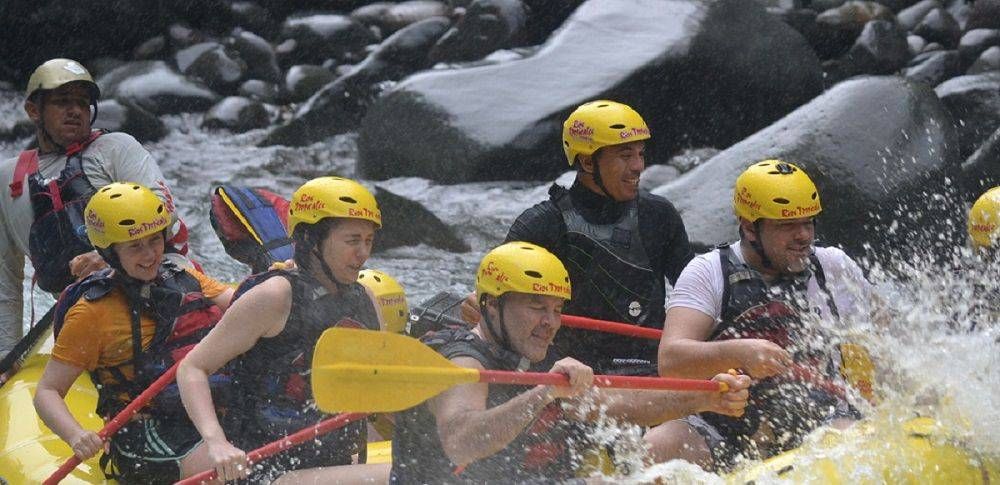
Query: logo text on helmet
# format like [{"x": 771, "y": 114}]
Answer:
[
  {"x": 391, "y": 300},
  {"x": 94, "y": 221},
  {"x": 363, "y": 212},
  {"x": 744, "y": 197},
  {"x": 496, "y": 273},
  {"x": 308, "y": 202},
  {"x": 800, "y": 211},
  {"x": 580, "y": 130},
  {"x": 550, "y": 287},
  {"x": 984, "y": 227},
  {"x": 630, "y": 132},
  {"x": 145, "y": 227}
]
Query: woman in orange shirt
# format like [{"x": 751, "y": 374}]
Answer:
[{"x": 127, "y": 325}]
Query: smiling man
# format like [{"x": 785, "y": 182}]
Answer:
[
  {"x": 42, "y": 208},
  {"x": 757, "y": 305},
  {"x": 479, "y": 433}
]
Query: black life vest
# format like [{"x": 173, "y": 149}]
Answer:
[
  {"x": 547, "y": 450},
  {"x": 183, "y": 316},
  {"x": 612, "y": 279},
  {"x": 273, "y": 376},
  {"x": 58, "y": 233},
  {"x": 252, "y": 225},
  {"x": 754, "y": 309}
]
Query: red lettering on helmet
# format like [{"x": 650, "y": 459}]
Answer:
[
  {"x": 745, "y": 198},
  {"x": 984, "y": 227},
  {"x": 580, "y": 130},
  {"x": 630, "y": 132},
  {"x": 494, "y": 272},
  {"x": 156, "y": 224},
  {"x": 94, "y": 221}
]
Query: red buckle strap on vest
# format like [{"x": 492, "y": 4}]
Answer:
[
  {"x": 77, "y": 147},
  {"x": 27, "y": 164}
]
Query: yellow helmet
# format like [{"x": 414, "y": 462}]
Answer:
[
  {"x": 984, "y": 219},
  {"x": 773, "y": 189},
  {"x": 524, "y": 268},
  {"x": 56, "y": 72},
  {"x": 390, "y": 297},
  {"x": 124, "y": 211},
  {"x": 598, "y": 124},
  {"x": 325, "y": 197}
]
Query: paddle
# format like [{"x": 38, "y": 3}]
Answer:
[
  {"x": 19, "y": 353},
  {"x": 299, "y": 437},
  {"x": 118, "y": 421},
  {"x": 856, "y": 368},
  {"x": 367, "y": 371}
]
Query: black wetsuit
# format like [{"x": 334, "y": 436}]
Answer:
[{"x": 618, "y": 255}]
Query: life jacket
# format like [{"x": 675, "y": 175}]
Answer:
[
  {"x": 612, "y": 280},
  {"x": 58, "y": 233},
  {"x": 755, "y": 309},
  {"x": 252, "y": 225},
  {"x": 546, "y": 450},
  {"x": 183, "y": 316},
  {"x": 273, "y": 376}
]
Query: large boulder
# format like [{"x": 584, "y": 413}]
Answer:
[
  {"x": 982, "y": 170},
  {"x": 879, "y": 148},
  {"x": 157, "y": 88},
  {"x": 407, "y": 223},
  {"x": 128, "y": 117},
  {"x": 487, "y": 25},
  {"x": 703, "y": 73},
  {"x": 339, "y": 105},
  {"x": 974, "y": 103}
]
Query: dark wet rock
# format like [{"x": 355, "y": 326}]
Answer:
[
  {"x": 16, "y": 128},
  {"x": 939, "y": 26},
  {"x": 932, "y": 47},
  {"x": 960, "y": 11},
  {"x": 186, "y": 56},
  {"x": 982, "y": 170},
  {"x": 183, "y": 36},
  {"x": 880, "y": 49},
  {"x": 910, "y": 17},
  {"x": 898, "y": 5},
  {"x": 303, "y": 81},
  {"x": 401, "y": 14},
  {"x": 545, "y": 16},
  {"x": 332, "y": 65},
  {"x": 408, "y": 223},
  {"x": 254, "y": 18},
  {"x": 824, "y": 5},
  {"x": 339, "y": 106},
  {"x": 219, "y": 68},
  {"x": 262, "y": 91},
  {"x": 877, "y": 148},
  {"x": 103, "y": 65},
  {"x": 213, "y": 16},
  {"x": 701, "y": 73},
  {"x": 156, "y": 87},
  {"x": 838, "y": 28},
  {"x": 487, "y": 25},
  {"x": 988, "y": 61},
  {"x": 984, "y": 14},
  {"x": 128, "y": 117},
  {"x": 372, "y": 13},
  {"x": 321, "y": 36},
  {"x": 974, "y": 103},
  {"x": 236, "y": 114},
  {"x": 803, "y": 20},
  {"x": 33, "y": 32},
  {"x": 262, "y": 63},
  {"x": 975, "y": 42},
  {"x": 937, "y": 67},
  {"x": 152, "y": 48},
  {"x": 915, "y": 44}
]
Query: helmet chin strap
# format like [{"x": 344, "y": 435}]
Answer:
[
  {"x": 326, "y": 268},
  {"x": 597, "y": 176},
  {"x": 759, "y": 248},
  {"x": 503, "y": 338}
]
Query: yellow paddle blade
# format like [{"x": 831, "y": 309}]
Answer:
[
  {"x": 373, "y": 372},
  {"x": 857, "y": 369}
]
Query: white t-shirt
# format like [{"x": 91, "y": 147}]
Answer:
[
  {"x": 114, "y": 157},
  {"x": 700, "y": 285}
]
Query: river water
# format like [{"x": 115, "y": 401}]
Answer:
[{"x": 950, "y": 375}]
